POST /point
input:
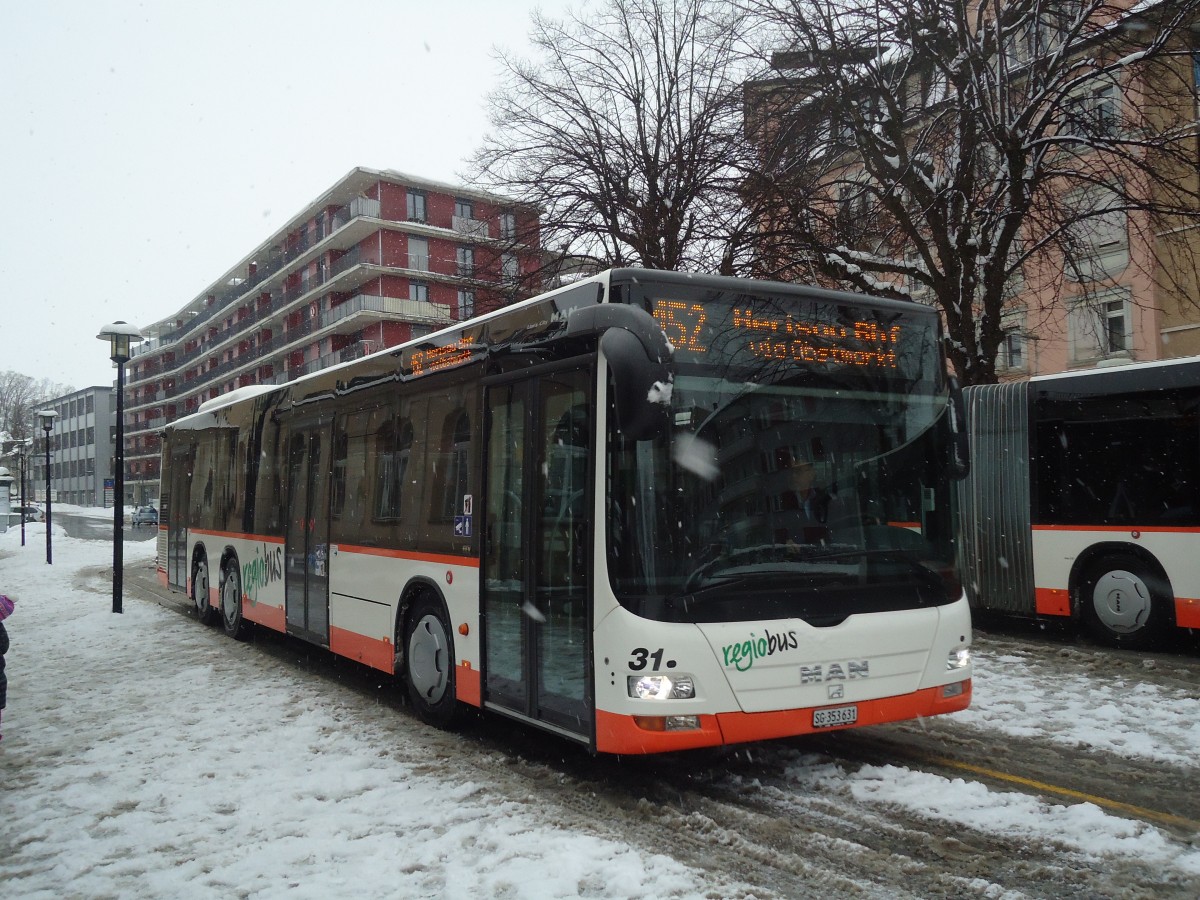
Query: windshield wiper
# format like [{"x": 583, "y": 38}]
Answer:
[{"x": 862, "y": 551}]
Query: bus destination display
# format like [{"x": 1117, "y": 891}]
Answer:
[{"x": 817, "y": 339}]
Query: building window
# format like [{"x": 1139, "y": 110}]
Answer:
[
  {"x": 1196, "y": 79},
  {"x": 465, "y": 257},
  {"x": 416, "y": 207},
  {"x": 510, "y": 270},
  {"x": 1099, "y": 238},
  {"x": 508, "y": 226},
  {"x": 1012, "y": 348},
  {"x": 1106, "y": 110},
  {"x": 419, "y": 291},
  {"x": 418, "y": 254},
  {"x": 464, "y": 208},
  {"x": 1093, "y": 114},
  {"x": 1114, "y": 322},
  {"x": 1101, "y": 326},
  {"x": 466, "y": 304}
]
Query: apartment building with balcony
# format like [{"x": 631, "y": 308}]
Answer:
[
  {"x": 82, "y": 448},
  {"x": 380, "y": 258}
]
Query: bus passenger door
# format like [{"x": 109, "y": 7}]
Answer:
[
  {"x": 537, "y": 549},
  {"x": 177, "y": 500},
  {"x": 306, "y": 541}
]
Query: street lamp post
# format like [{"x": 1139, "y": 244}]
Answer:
[
  {"x": 47, "y": 417},
  {"x": 22, "y": 451},
  {"x": 119, "y": 336}
]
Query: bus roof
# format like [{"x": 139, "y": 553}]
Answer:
[{"x": 1132, "y": 370}]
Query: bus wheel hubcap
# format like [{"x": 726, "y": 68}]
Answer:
[
  {"x": 1122, "y": 601},
  {"x": 427, "y": 659},
  {"x": 231, "y": 598},
  {"x": 200, "y": 588}
]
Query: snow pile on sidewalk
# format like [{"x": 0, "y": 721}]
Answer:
[{"x": 147, "y": 756}]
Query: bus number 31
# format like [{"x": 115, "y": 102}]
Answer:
[{"x": 641, "y": 655}]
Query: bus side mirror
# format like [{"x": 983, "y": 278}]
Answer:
[
  {"x": 960, "y": 442},
  {"x": 641, "y": 385}
]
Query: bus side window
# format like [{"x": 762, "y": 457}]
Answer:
[
  {"x": 354, "y": 483},
  {"x": 341, "y": 450},
  {"x": 393, "y": 448},
  {"x": 269, "y": 497},
  {"x": 450, "y": 443}
]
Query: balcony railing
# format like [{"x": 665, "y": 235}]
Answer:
[
  {"x": 472, "y": 227},
  {"x": 412, "y": 310}
]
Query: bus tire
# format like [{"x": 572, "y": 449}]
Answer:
[
  {"x": 1126, "y": 602},
  {"x": 231, "y": 600},
  {"x": 204, "y": 610},
  {"x": 429, "y": 662}
]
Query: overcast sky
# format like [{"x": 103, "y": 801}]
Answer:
[{"x": 146, "y": 147}]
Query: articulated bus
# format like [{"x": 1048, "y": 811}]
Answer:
[
  {"x": 646, "y": 512},
  {"x": 1083, "y": 504}
]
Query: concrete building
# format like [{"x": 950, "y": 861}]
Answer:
[
  {"x": 81, "y": 449},
  {"x": 380, "y": 258}
]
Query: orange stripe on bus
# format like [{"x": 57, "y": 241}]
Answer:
[
  {"x": 1187, "y": 612},
  {"x": 378, "y": 653},
  {"x": 621, "y": 734},
  {"x": 443, "y": 559},
  {"x": 241, "y": 537},
  {"x": 468, "y": 686},
  {"x": 1052, "y": 601},
  {"x": 1127, "y": 529},
  {"x": 271, "y": 616}
]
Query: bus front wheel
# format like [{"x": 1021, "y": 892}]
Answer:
[
  {"x": 1125, "y": 602},
  {"x": 231, "y": 600},
  {"x": 429, "y": 663}
]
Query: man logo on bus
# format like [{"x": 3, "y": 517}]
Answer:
[{"x": 849, "y": 670}]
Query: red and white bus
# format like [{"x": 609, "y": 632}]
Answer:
[
  {"x": 592, "y": 512},
  {"x": 1083, "y": 505}
]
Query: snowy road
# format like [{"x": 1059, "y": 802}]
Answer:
[{"x": 145, "y": 755}]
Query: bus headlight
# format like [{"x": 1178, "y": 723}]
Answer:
[
  {"x": 661, "y": 687},
  {"x": 958, "y": 659}
]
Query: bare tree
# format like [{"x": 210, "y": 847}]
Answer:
[
  {"x": 20, "y": 399},
  {"x": 945, "y": 149},
  {"x": 625, "y": 130}
]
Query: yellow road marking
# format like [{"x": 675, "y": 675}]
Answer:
[{"x": 1138, "y": 811}]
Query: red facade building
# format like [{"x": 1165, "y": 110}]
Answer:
[{"x": 378, "y": 259}]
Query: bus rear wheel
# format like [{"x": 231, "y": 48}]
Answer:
[
  {"x": 231, "y": 600},
  {"x": 204, "y": 611},
  {"x": 429, "y": 663},
  {"x": 1125, "y": 602}
]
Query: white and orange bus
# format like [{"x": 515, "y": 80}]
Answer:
[
  {"x": 582, "y": 512},
  {"x": 1083, "y": 506}
]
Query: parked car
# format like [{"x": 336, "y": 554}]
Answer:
[
  {"x": 30, "y": 512},
  {"x": 145, "y": 515}
]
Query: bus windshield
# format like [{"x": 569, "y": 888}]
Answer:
[{"x": 804, "y": 474}]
